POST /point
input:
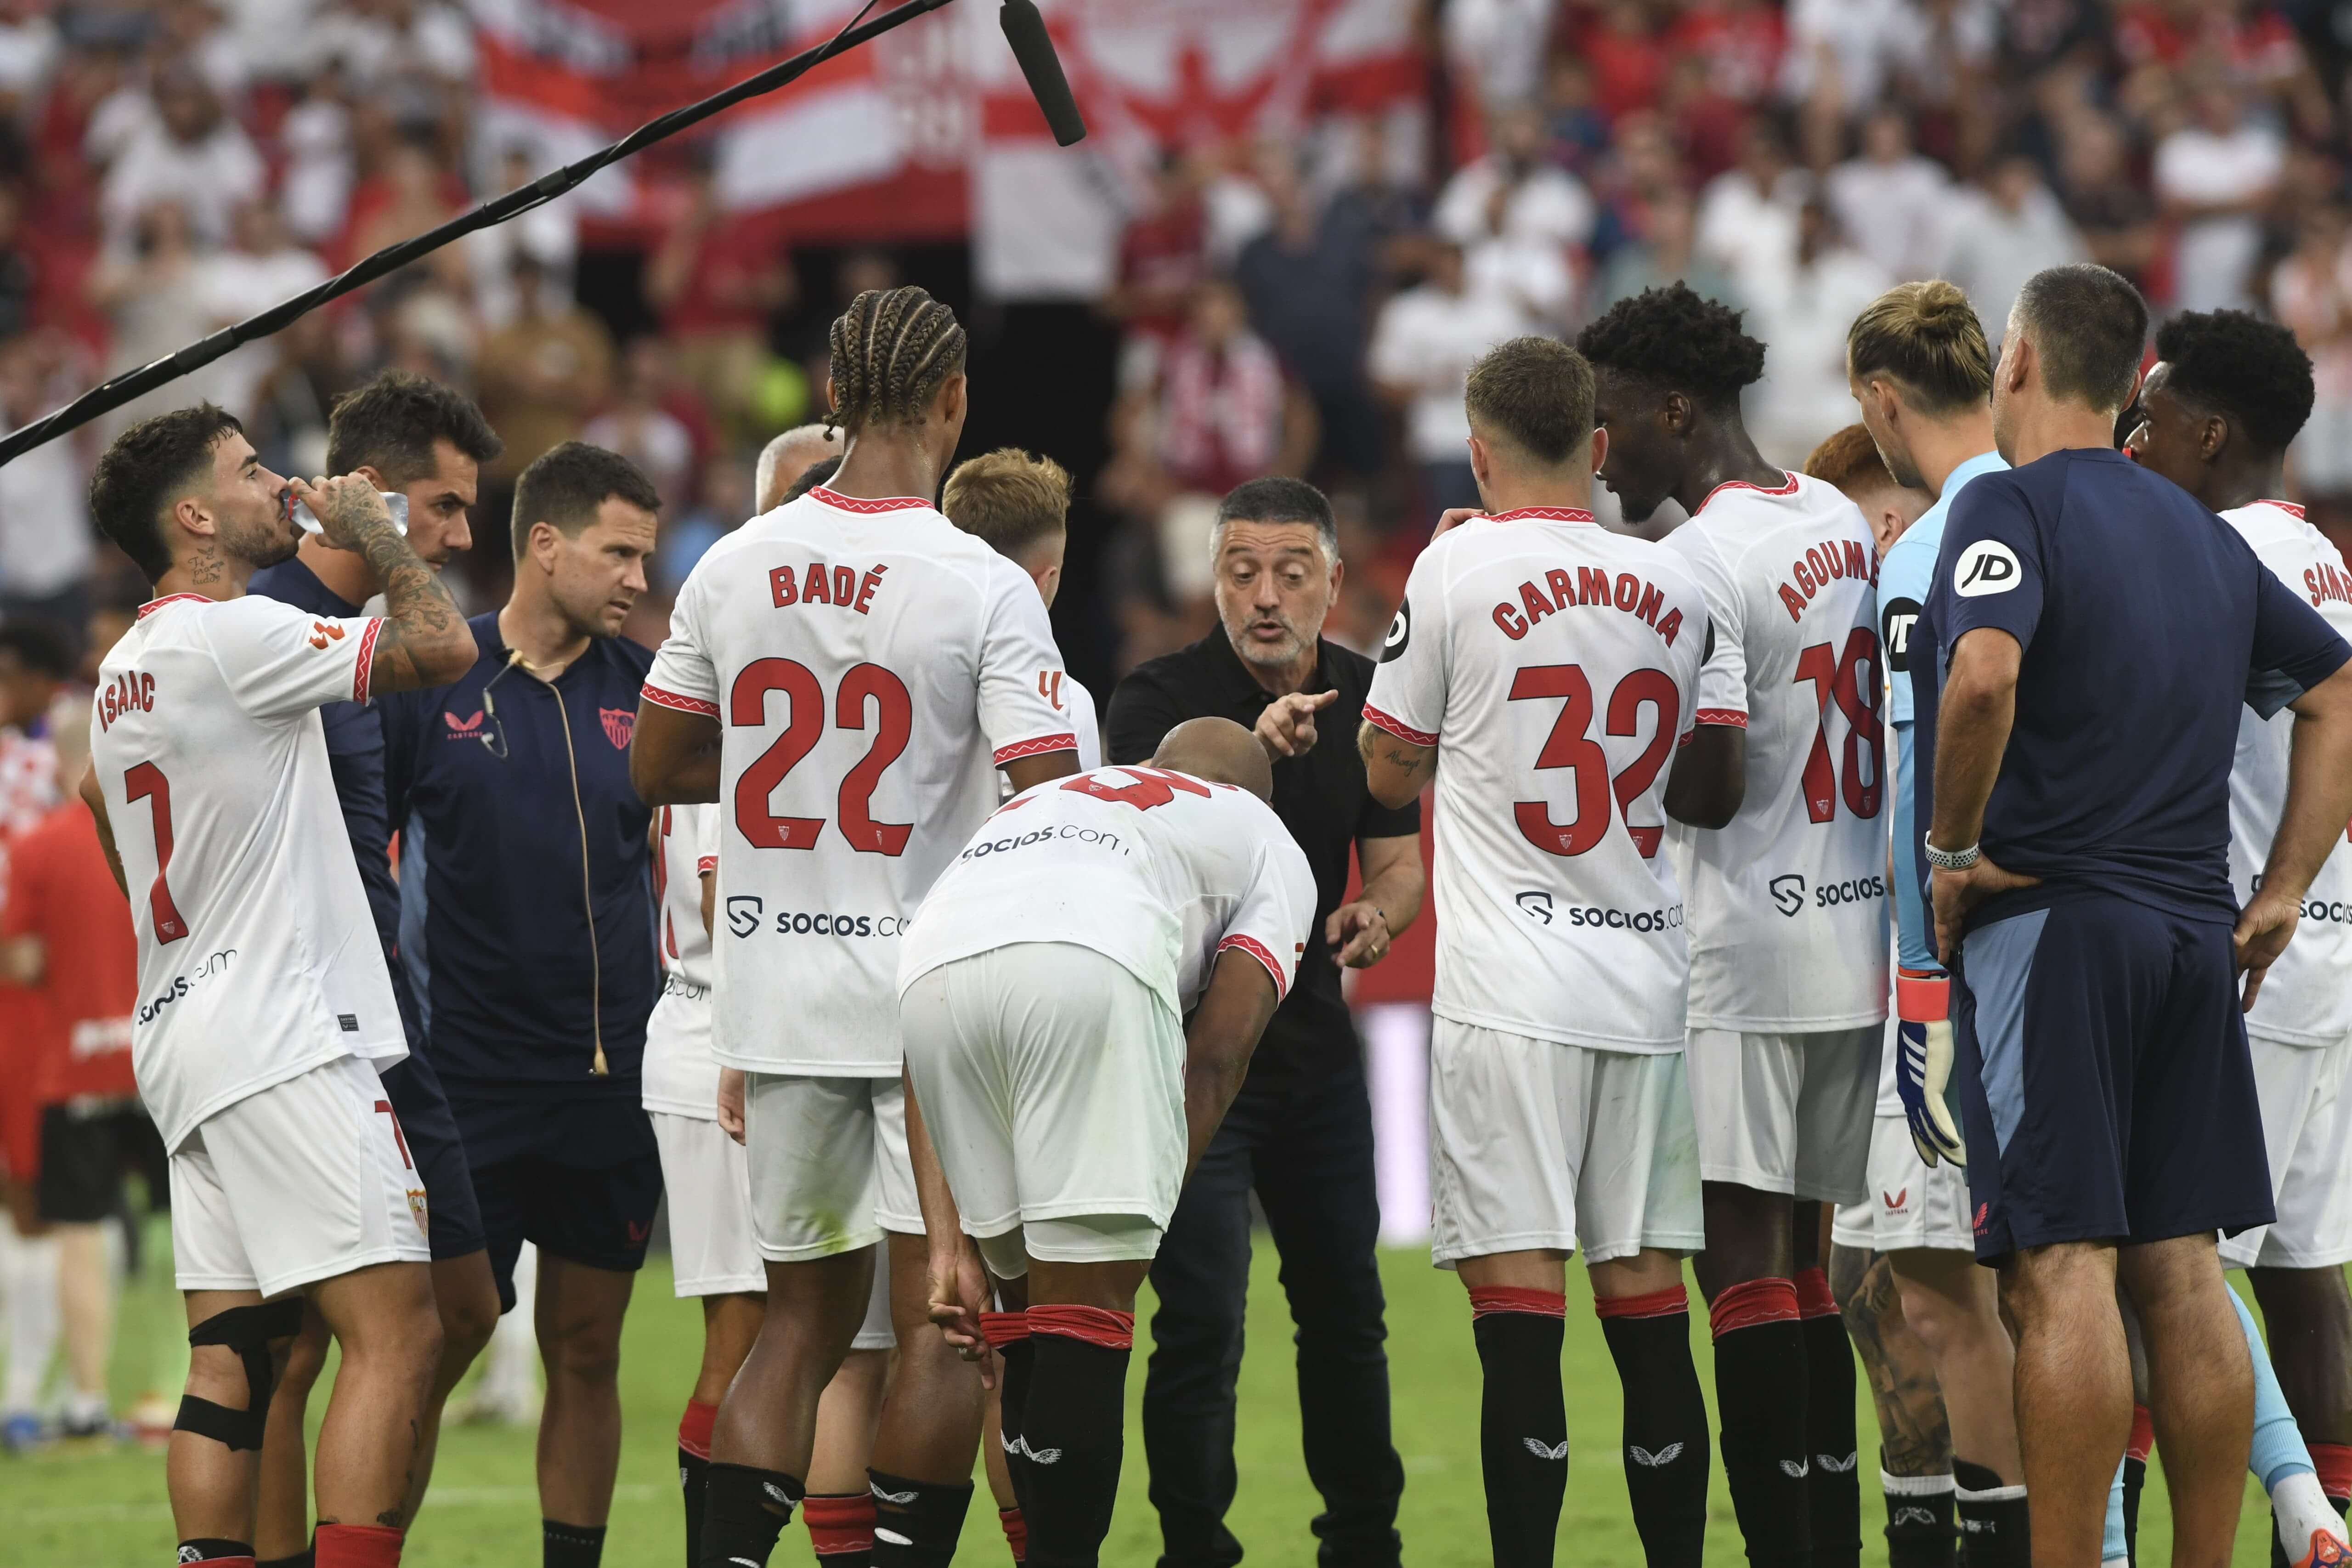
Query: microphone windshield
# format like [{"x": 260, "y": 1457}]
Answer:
[{"x": 1025, "y": 31}]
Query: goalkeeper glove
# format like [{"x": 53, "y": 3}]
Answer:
[{"x": 1923, "y": 1066}]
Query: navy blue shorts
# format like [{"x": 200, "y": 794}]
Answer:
[
  {"x": 579, "y": 1177},
  {"x": 2105, "y": 1091},
  {"x": 453, "y": 1220}
]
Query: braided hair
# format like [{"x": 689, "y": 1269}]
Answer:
[{"x": 892, "y": 350}]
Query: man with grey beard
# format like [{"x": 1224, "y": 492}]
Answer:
[{"x": 1300, "y": 1133}]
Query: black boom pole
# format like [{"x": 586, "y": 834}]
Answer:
[{"x": 137, "y": 383}]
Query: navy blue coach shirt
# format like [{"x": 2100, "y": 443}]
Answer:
[
  {"x": 518, "y": 960},
  {"x": 2144, "y": 621},
  {"x": 355, "y": 759}
]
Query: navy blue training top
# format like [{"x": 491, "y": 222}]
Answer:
[
  {"x": 2146, "y": 621},
  {"x": 496, "y": 921},
  {"x": 355, "y": 759}
]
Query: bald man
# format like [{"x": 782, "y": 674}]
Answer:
[
  {"x": 784, "y": 459},
  {"x": 1042, "y": 995}
]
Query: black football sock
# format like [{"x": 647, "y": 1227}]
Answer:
[
  {"x": 570, "y": 1545},
  {"x": 209, "y": 1550},
  {"x": 694, "y": 1471},
  {"x": 1008, "y": 1332},
  {"x": 2135, "y": 1452},
  {"x": 916, "y": 1523},
  {"x": 1833, "y": 1485},
  {"x": 1994, "y": 1532},
  {"x": 1522, "y": 1420},
  {"x": 1760, "y": 1395},
  {"x": 306, "y": 1558},
  {"x": 1073, "y": 1429},
  {"x": 744, "y": 1510},
  {"x": 1666, "y": 1422},
  {"x": 1919, "y": 1531}
]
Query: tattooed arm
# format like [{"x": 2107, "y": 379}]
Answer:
[
  {"x": 425, "y": 640},
  {"x": 1397, "y": 771}
]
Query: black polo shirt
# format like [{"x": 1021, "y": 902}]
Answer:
[{"x": 1321, "y": 797}]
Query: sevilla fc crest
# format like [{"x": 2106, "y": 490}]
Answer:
[
  {"x": 419, "y": 1212},
  {"x": 620, "y": 724}
]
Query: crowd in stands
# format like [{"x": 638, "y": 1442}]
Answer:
[{"x": 1305, "y": 304}]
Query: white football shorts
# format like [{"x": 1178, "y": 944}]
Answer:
[
  {"x": 812, "y": 1150},
  {"x": 1535, "y": 1144},
  {"x": 1787, "y": 1114},
  {"x": 2307, "y": 1119},
  {"x": 1910, "y": 1205},
  {"x": 1052, "y": 1081},
  {"x": 897, "y": 1209},
  {"x": 303, "y": 1181}
]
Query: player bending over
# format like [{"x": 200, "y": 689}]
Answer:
[
  {"x": 845, "y": 674},
  {"x": 1784, "y": 857},
  {"x": 1554, "y": 666},
  {"x": 1044, "y": 999},
  {"x": 265, "y": 1000}
]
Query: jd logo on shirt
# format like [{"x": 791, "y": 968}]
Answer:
[
  {"x": 1988, "y": 566},
  {"x": 1897, "y": 617},
  {"x": 1788, "y": 890},
  {"x": 1400, "y": 632}
]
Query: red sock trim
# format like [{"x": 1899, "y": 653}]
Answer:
[
  {"x": 1016, "y": 1532},
  {"x": 1813, "y": 1297},
  {"x": 2333, "y": 1463},
  {"x": 1486, "y": 1299},
  {"x": 1752, "y": 1303},
  {"x": 694, "y": 1427},
  {"x": 356, "y": 1546},
  {"x": 839, "y": 1522},
  {"x": 1094, "y": 1325},
  {"x": 1663, "y": 1303},
  {"x": 1003, "y": 1329},
  {"x": 2143, "y": 1436}
]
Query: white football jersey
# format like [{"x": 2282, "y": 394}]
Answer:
[
  {"x": 1076, "y": 704},
  {"x": 870, "y": 666},
  {"x": 1156, "y": 870},
  {"x": 1555, "y": 665},
  {"x": 2306, "y": 997},
  {"x": 681, "y": 1076},
  {"x": 1789, "y": 902},
  {"x": 257, "y": 957}
]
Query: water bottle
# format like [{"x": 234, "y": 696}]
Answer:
[{"x": 395, "y": 503}]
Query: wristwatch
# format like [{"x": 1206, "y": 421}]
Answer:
[{"x": 1950, "y": 859}]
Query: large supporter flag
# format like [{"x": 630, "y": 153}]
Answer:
[{"x": 930, "y": 132}]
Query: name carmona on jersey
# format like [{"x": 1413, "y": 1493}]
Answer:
[
  {"x": 822, "y": 583},
  {"x": 1831, "y": 559},
  {"x": 1588, "y": 586},
  {"x": 133, "y": 690}
]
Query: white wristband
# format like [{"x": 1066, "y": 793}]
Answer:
[{"x": 1952, "y": 859}]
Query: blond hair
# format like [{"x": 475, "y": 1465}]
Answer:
[
  {"x": 1008, "y": 499},
  {"x": 1925, "y": 337}
]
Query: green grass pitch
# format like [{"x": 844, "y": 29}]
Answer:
[{"x": 104, "y": 1508}]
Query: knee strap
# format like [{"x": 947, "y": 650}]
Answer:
[{"x": 247, "y": 1331}]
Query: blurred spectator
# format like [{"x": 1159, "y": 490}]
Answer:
[
  {"x": 410, "y": 193},
  {"x": 2215, "y": 177},
  {"x": 28, "y": 50},
  {"x": 1221, "y": 416},
  {"x": 1423, "y": 347},
  {"x": 1739, "y": 42},
  {"x": 718, "y": 279},
  {"x": 147, "y": 287},
  {"x": 1748, "y": 214},
  {"x": 315, "y": 137},
  {"x": 383, "y": 45},
  {"x": 1629, "y": 61},
  {"x": 2003, "y": 235},
  {"x": 1515, "y": 193},
  {"x": 549, "y": 234},
  {"x": 541, "y": 374},
  {"x": 1162, "y": 258},
  {"x": 725, "y": 503},
  {"x": 20, "y": 276},
  {"x": 1802, "y": 316},
  {"x": 46, "y": 545},
  {"x": 290, "y": 403},
  {"x": 1668, "y": 255},
  {"x": 1707, "y": 121},
  {"x": 1579, "y": 131},
  {"x": 261, "y": 267},
  {"x": 1308, "y": 281},
  {"x": 2113, "y": 213},
  {"x": 1498, "y": 46},
  {"x": 1891, "y": 202},
  {"x": 186, "y": 150},
  {"x": 638, "y": 428},
  {"x": 2311, "y": 293}
]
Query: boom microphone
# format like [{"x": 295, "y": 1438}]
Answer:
[{"x": 1033, "y": 47}]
